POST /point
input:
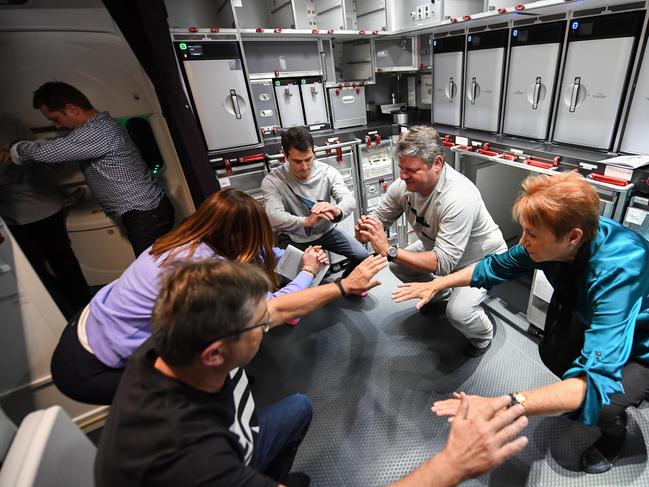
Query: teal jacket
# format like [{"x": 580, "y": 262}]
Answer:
[{"x": 612, "y": 300}]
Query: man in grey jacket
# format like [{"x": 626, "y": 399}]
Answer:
[
  {"x": 299, "y": 197},
  {"x": 448, "y": 215}
]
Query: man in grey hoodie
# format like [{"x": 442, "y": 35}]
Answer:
[{"x": 299, "y": 199}]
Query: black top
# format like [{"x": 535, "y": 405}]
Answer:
[
  {"x": 162, "y": 432},
  {"x": 448, "y": 44},
  {"x": 538, "y": 34}
]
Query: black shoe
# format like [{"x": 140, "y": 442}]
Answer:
[
  {"x": 472, "y": 351},
  {"x": 437, "y": 308},
  {"x": 594, "y": 461},
  {"x": 298, "y": 479}
]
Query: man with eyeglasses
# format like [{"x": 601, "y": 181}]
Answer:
[
  {"x": 453, "y": 225},
  {"x": 298, "y": 200},
  {"x": 184, "y": 411}
]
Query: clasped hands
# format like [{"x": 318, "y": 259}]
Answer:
[
  {"x": 314, "y": 259},
  {"x": 322, "y": 210}
]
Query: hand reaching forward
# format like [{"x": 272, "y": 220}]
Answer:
[{"x": 425, "y": 291}]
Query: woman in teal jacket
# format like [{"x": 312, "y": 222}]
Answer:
[{"x": 600, "y": 274}]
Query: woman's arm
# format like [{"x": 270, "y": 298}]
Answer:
[{"x": 426, "y": 291}]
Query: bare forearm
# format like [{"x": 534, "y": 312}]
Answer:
[
  {"x": 419, "y": 261},
  {"x": 300, "y": 303},
  {"x": 554, "y": 399},
  {"x": 434, "y": 473},
  {"x": 461, "y": 278}
]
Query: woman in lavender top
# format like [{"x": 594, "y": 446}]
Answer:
[{"x": 92, "y": 352}]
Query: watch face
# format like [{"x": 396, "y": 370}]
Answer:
[{"x": 392, "y": 252}]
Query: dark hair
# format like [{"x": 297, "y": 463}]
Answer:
[
  {"x": 200, "y": 301},
  {"x": 297, "y": 138},
  {"x": 233, "y": 224},
  {"x": 56, "y": 94}
]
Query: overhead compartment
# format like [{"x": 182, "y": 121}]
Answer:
[
  {"x": 595, "y": 75},
  {"x": 395, "y": 54},
  {"x": 269, "y": 58}
]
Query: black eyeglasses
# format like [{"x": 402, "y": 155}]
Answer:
[{"x": 264, "y": 325}]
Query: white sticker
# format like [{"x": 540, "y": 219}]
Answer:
[
  {"x": 635, "y": 216},
  {"x": 618, "y": 172},
  {"x": 587, "y": 166},
  {"x": 461, "y": 140},
  {"x": 225, "y": 182},
  {"x": 237, "y": 3},
  {"x": 476, "y": 143}
]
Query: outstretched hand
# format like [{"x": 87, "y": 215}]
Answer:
[
  {"x": 425, "y": 291},
  {"x": 361, "y": 278}
]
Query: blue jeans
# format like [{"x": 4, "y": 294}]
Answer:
[
  {"x": 340, "y": 242},
  {"x": 282, "y": 427}
]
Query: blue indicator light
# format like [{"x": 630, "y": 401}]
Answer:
[
  {"x": 470, "y": 38},
  {"x": 434, "y": 43},
  {"x": 574, "y": 25},
  {"x": 515, "y": 33}
]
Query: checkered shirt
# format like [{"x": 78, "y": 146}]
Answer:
[{"x": 111, "y": 164}]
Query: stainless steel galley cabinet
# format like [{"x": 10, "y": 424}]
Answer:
[
  {"x": 483, "y": 83},
  {"x": 448, "y": 60},
  {"x": 314, "y": 101},
  {"x": 217, "y": 84},
  {"x": 533, "y": 64},
  {"x": 594, "y": 78},
  {"x": 636, "y": 132},
  {"x": 289, "y": 103}
]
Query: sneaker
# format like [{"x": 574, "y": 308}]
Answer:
[
  {"x": 594, "y": 461},
  {"x": 472, "y": 351},
  {"x": 293, "y": 322}
]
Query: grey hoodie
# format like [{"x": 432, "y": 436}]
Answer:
[{"x": 287, "y": 212}]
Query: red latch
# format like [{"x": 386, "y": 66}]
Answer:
[
  {"x": 467, "y": 148},
  {"x": 215, "y": 29},
  {"x": 502, "y": 10},
  {"x": 277, "y": 73},
  {"x": 375, "y": 32},
  {"x": 377, "y": 139},
  {"x": 327, "y": 151},
  {"x": 421, "y": 67},
  {"x": 368, "y": 141},
  {"x": 259, "y": 29},
  {"x": 485, "y": 146},
  {"x": 519, "y": 6},
  {"x": 541, "y": 164},
  {"x": 346, "y": 85},
  {"x": 330, "y": 31},
  {"x": 510, "y": 157},
  {"x": 453, "y": 20},
  {"x": 337, "y": 91},
  {"x": 361, "y": 32},
  {"x": 608, "y": 179},
  {"x": 556, "y": 160},
  {"x": 466, "y": 17},
  {"x": 339, "y": 155},
  {"x": 447, "y": 142},
  {"x": 228, "y": 165},
  {"x": 379, "y": 70},
  {"x": 275, "y": 130},
  {"x": 358, "y": 91},
  {"x": 193, "y": 29},
  {"x": 486, "y": 152},
  {"x": 278, "y": 30},
  {"x": 315, "y": 31},
  {"x": 252, "y": 158}
]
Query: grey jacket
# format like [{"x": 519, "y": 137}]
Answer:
[{"x": 287, "y": 212}]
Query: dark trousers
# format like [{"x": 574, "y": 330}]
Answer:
[
  {"x": 78, "y": 373},
  {"x": 282, "y": 428},
  {"x": 144, "y": 227},
  {"x": 613, "y": 418},
  {"x": 340, "y": 242},
  {"x": 47, "y": 246}
]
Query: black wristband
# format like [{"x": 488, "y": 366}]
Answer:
[{"x": 338, "y": 282}]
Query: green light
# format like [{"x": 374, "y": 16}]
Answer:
[
  {"x": 277, "y": 83},
  {"x": 303, "y": 81},
  {"x": 182, "y": 46}
]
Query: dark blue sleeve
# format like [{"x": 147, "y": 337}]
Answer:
[{"x": 495, "y": 269}]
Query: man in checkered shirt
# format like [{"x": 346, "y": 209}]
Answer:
[{"x": 110, "y": 162}]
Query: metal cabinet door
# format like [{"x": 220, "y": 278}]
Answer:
[
  {"x": 347, "y": 107},
  {"x": 532, "y": 73},
  {"x": 636, "y": 139},
  {"x": 315, "y": 107},
  {"x": 219, "y": 91},
  {"x": 484, "y": 75},
  {"x": 591, "y": 91},
  {"x": 263, "y": 99},
  {"x": 290, "y": 105},
  {"x": 447, "y": 88}
]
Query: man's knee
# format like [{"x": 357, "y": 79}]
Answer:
[
  {"x": 461, "y": 315},
  {"x": 302, "y": 406}
]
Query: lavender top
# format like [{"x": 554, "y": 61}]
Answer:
[{"x": 120, "y": 313}]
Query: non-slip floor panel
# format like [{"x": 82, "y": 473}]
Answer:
[{"x": 373, "y": 368}]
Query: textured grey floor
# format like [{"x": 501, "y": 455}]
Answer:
[{"x": 373, "y": 368}]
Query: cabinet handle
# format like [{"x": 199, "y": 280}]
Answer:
[
  {"x": 575, "y": 92},
  {"x": 537, "y": 93},
  {"x": 235, "y": 104},
  {"x": 451, "y": 89},
  {"x": 323, "y": 66},
  {"x": 474, "y": 90}
]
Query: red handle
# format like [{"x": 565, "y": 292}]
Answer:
[
  {"x": 259, "y": 29},
  {"x": 510, "y": 157},
  {"x": 466, "y": 17},
  {"x": 361, "y": 32},
  {"x": 377, "y": 139},
  {"x": 608, "y": 179},
  {"x": 228, "y": 165},
  {"x": 447, "y": 143},
  {"x": 339, "y": 154},
  {"x": 468, "y": 148},
  {"x": 541, "y": 164},
  {"x": 215, "y": 29},
  {"x": 520, "y": 6},
  {"x": 252, "y": 158},
  {"x": 487, "y": 152},
  {"x": 193, "y": 29},
  {"x": 502, "y": 10},
  {"x": 368, "y": 141}
]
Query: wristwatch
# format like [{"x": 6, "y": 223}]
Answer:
[
  {"x": 392, "y": 253},
  {"x": 517, "y": 398}
]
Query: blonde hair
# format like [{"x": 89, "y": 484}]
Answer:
[{"x": 559, "y": 203}]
